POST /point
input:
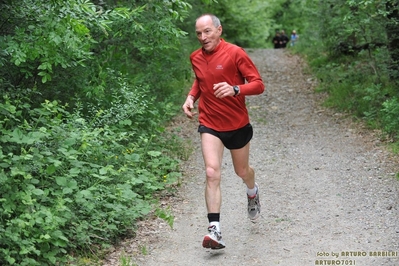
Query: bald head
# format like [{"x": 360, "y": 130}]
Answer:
[
  {"x": 215, "y": 19},
  {"x": 208, "y": 31}
]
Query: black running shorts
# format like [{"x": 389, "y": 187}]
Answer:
[{"x": 235, "y": 139}]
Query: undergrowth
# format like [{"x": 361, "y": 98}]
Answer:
[{"x": 71, "y": 187}]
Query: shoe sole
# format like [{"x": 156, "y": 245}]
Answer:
[
  {"x": 212, "y": 244},
  {"x": 256, "y": 215}
]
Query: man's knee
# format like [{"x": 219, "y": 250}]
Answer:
[
  {"x": 245, "y": 172},
  {"x": 212, "y": 174}
]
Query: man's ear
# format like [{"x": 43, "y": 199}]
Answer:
[{"x": 220, "y": 29}]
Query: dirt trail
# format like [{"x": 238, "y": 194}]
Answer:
[{"x": 327, "y": 188}]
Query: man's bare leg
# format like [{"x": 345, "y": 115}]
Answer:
[
  {"x": 212, "y": 151},
  {"x": 242, "y": 168}
]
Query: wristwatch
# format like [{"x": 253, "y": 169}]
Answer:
[{"x": 236, "y": 90}]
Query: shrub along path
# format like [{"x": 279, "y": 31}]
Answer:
[{"x": 327, "y": 187}]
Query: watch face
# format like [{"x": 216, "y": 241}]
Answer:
[{"x": 235, "y": 89}]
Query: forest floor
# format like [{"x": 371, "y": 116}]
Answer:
[{"x": 328, "y": 189}]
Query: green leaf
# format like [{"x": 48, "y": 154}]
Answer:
[
  {"x": 126, "y": 122},
  {"x": 134, "y": 157},
  {"x": 102, "y": 177},
  {"x": 86, "y": 193},
  {"x": 17, "y": 136},
  {"x": 51, "y": 169},
  {"x": 16, "y": 171},
  {"x": 61, "y": 181},
  {"x": 45, "y": 66},
  {"x": 46, "y": 236},
  {"x": 154, "y": 153},
  {"x": 67, "y": 190},
  {"x": 54, "y": 161},
  {"x": 72, "y": 184},
  {"x": 37, "y": 192},
  {"x": 103, "y": 171},
  {"x": 68, "y": 184},
  {"x": 74, "y": 171}
]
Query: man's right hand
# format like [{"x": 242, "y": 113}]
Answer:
[{"x": 188, "y": 106}]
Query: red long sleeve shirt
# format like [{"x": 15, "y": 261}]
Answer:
[{"x": 227, "y": 63}]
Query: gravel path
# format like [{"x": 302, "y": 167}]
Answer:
[{"x": 327, "y": 187}]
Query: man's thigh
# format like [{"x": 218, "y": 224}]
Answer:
[
  {"x": 212, "y": 150},
  {"x": 240, "y": 157}
]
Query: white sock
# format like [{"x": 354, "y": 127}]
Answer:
[
  {"x": 251, "y": 191},
  {"x": 217, "y": 224}
]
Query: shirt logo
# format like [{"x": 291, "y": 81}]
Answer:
[{"x": 219, "y": 67}]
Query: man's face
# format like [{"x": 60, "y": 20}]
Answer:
[{"x": 208, "y": 35}]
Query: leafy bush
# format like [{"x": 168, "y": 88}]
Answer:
[
  {"x": 67, "y": 183},
  {"x": 356, "y": 58},
  {"x": 75, "y": 177},
  {"x": 391, "y": 117}
]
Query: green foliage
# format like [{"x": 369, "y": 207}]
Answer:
[
  {"x": 77, "y": 46},
  {"x": 166, "y": 215},
  {"x": 243, "y": 24},
  {"x": 390, "y": 118},
  {"x": 351, "y": 47},
  {"x": 246, "y": 25},
  {"x": 69, "y": 183},
  {"x": 89, "y": 155},
  {"x": 46, "y": 35},
  {"x": 145, "y": 53}
]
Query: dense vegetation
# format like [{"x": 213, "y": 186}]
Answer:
[
  {"x": 88, "y": 88},
  {"x": 353, "y": 49}
]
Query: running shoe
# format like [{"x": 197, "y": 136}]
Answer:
[
  {"x": 213, "y": 239},
  {"x": 254, "y": 205}
]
